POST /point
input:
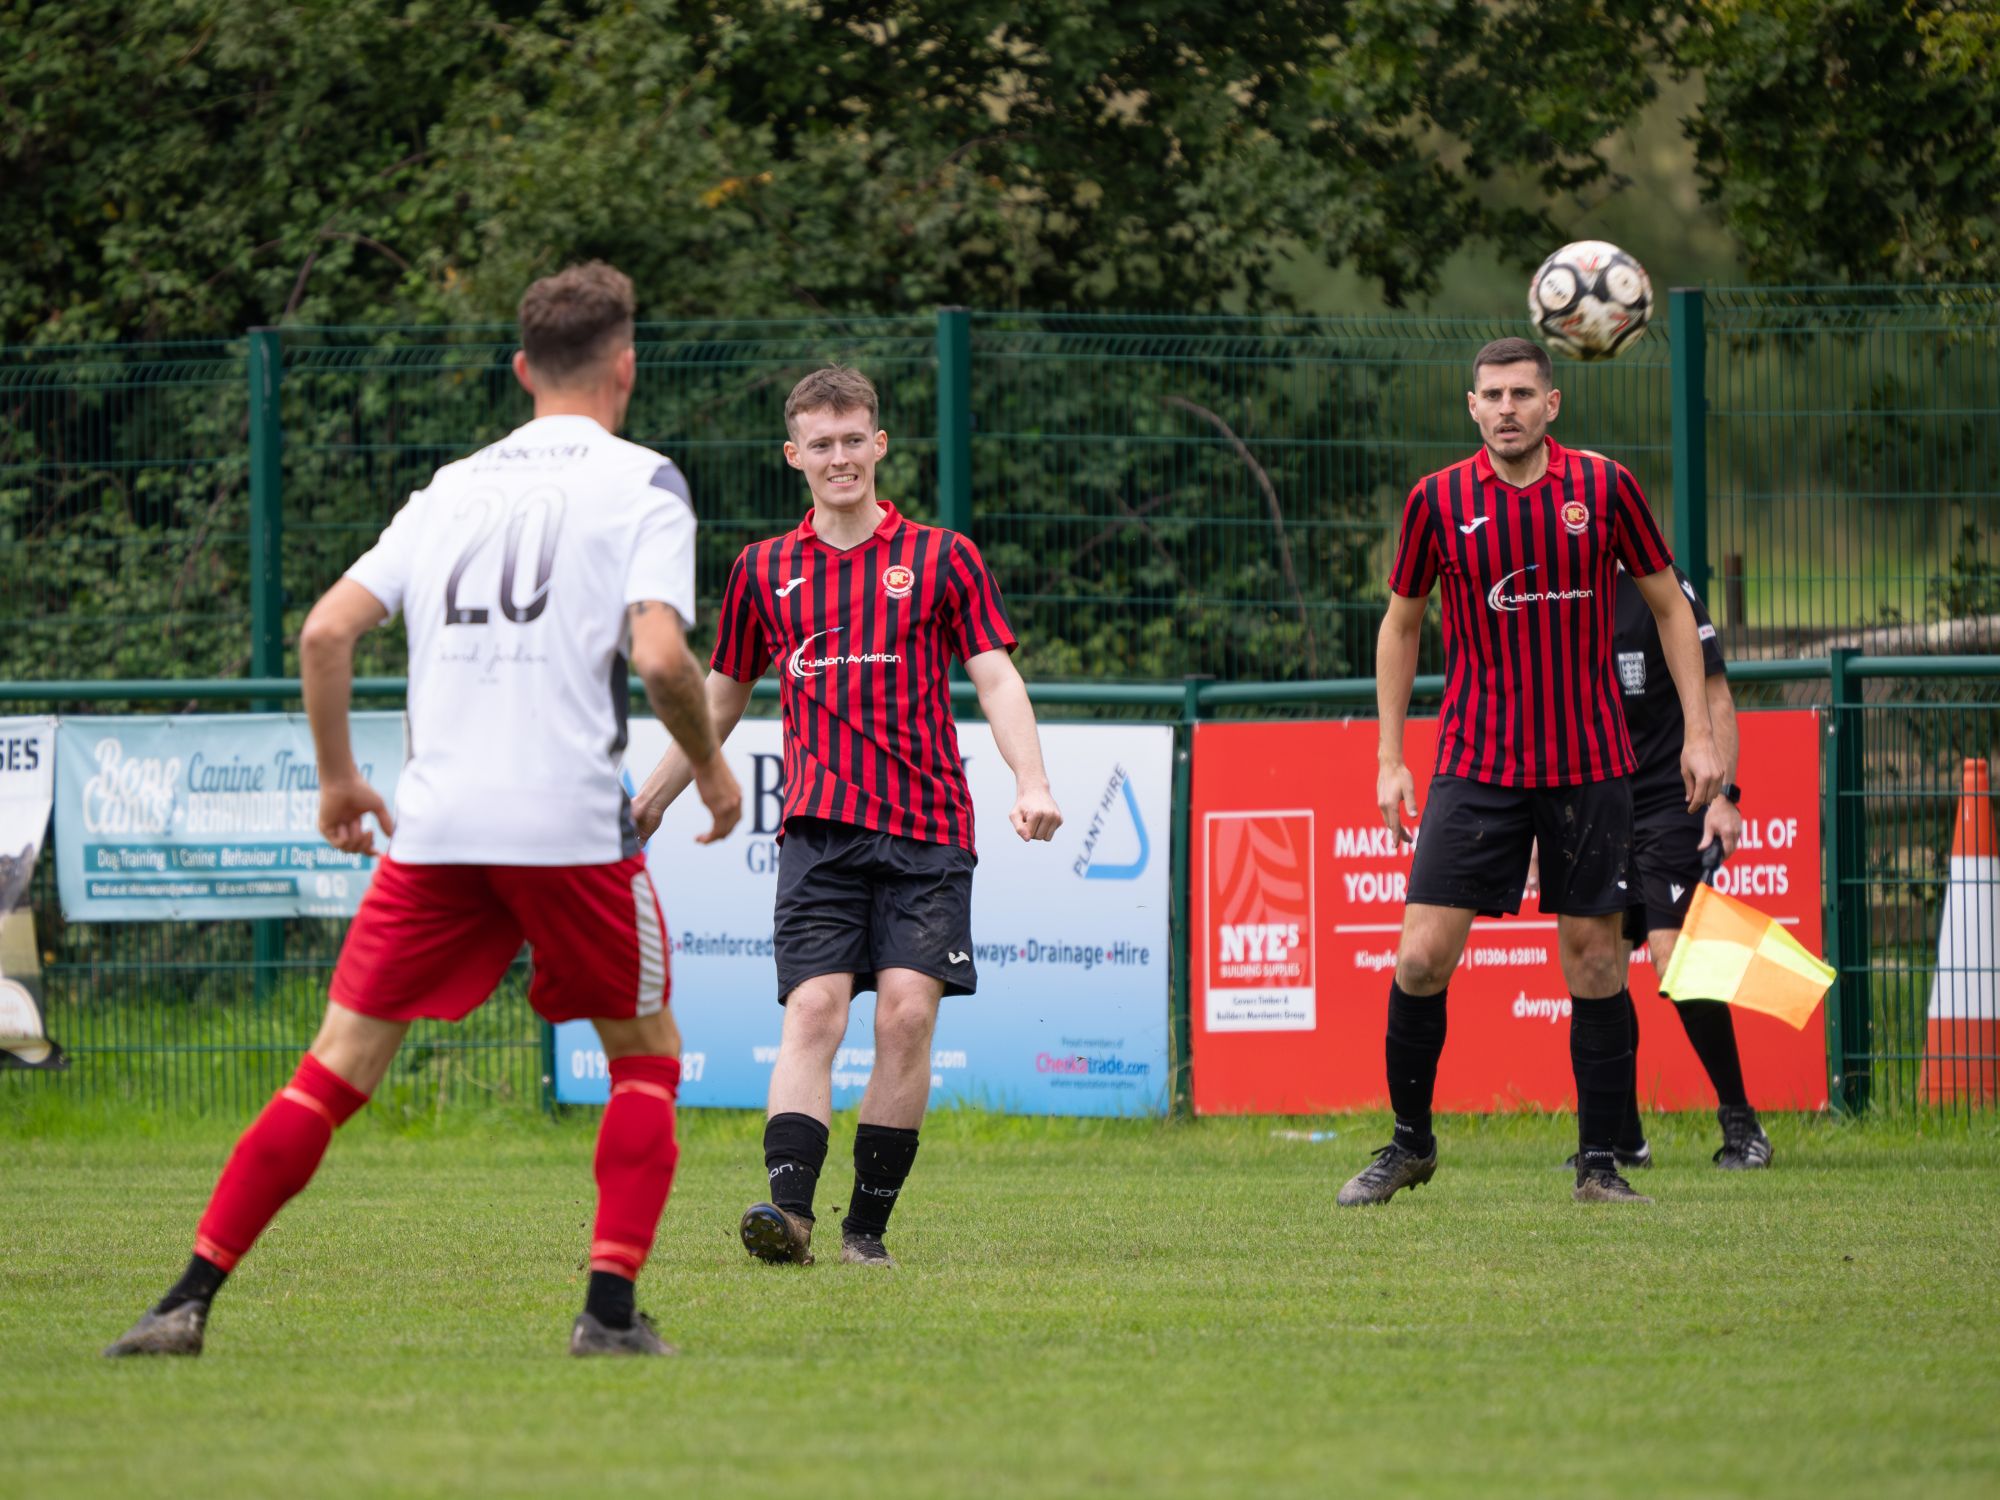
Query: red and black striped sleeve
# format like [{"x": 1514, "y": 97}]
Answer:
[
  {"x": 1416, "y": 567},
  {"x": 974, "y": 619},
  {"x": 1635, "y": 535},
  {"x": 742, "y": 649}
]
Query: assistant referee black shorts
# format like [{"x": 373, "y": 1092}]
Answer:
[
  {"x": 853, "y": 900},
  {"x": 1666, "y": 865},
  {"x": 1474, "y": 839}
]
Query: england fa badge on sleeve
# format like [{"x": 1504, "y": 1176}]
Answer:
[{"x": 1632, "y": 672}]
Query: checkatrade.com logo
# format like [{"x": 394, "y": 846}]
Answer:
[{"x": 1083, "y": 1065}]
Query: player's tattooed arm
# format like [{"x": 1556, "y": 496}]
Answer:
[{"x": 344, "y": 614}]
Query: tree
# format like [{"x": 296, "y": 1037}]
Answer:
[
  {"x": 1851, "y": 140},
  {"x": 177, "y": 168}
]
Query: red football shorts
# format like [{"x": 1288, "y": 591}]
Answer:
[{"x": 431, "y": 941}]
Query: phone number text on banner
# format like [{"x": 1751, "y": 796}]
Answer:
[
  {"x": 208, "y": 816},
  {"x": 1069, "y": 937}
]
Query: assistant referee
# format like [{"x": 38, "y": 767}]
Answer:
[{"x": 1671, "y": 855}]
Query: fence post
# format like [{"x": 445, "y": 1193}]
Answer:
[
  {"x": 1180, "y": 1100},
  {"x": 548, "y": 1038},
  {"x": 267, "y": 578},
  {"x": 954, "y": 418},
  {"x": 1849, "y": 1020},
  {"x": 1690, "y": 381}
]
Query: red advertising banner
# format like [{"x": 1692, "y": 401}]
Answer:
[{"x": 1298, "y": 900}]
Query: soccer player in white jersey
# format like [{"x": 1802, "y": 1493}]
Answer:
[{"x": 529, "y": 575}]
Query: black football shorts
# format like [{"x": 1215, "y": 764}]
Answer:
[
  {"x": 852, "y": 900},
  {"x": 1474, "y": 838},
  {"x": 1666, "y": 867}
]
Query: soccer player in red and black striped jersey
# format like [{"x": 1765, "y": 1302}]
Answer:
[
  {"x": 863, "y": 611},
  {"x": 1526, "y": 537}
]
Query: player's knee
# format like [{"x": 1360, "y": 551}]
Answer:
[
  {"x": 1595, "y": 974},
  {"x": 1424, "y": 970},
  {"x": 903, "y": 1027},
  {"x": 816, "y": 1015}
]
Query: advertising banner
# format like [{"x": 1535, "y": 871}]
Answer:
[
  {"x": 27, "y": 790},
  {"x": 1297, "y": 902},
  {"x": 1070, "y": 937},
  {"x": 206, "y": 816}
]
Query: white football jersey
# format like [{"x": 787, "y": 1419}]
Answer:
[{"x": 513, "y": 570}]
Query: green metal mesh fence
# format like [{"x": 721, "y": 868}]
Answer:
[
  {"x": 369, "y": 415},
  {"x": 123, "y": 510},
  {"x": 1160, "y": 497},
  {"x": 1169, "y": 496},
  {"x": 186, "y": 1017},
  {"x": 1916, "y": 928},
  {"x": 1854, "y": 468}
]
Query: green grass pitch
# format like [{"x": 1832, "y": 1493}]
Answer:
[{"x": 1083, "y": 1309}]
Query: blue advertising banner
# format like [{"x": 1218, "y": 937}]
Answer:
[
  {"x": 1070, "y": 937},
  {"x": 206, "y": 816}
]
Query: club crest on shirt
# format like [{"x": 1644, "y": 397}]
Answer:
[
  {"x": 898, "y": 580},
  {"x": 1576, "y": 516},
  {"x": 1632, "y": 672}
]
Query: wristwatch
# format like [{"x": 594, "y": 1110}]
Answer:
[{"x": 1733, "y": 792}]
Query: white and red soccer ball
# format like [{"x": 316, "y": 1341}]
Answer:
[{"x": 1590, "y": 300}]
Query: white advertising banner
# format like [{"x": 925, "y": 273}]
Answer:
[
  {"x": 1070, "y": 937},
  {"x": 27, "y": 792}
]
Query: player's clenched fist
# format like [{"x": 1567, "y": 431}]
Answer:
[
  {"x": 1035, "y": 815},
  {"x": 1395, "y": 790},
  {"x": 342, "y": 805}
]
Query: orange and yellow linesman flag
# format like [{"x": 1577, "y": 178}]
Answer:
[{"x": 1730, "y": 951}]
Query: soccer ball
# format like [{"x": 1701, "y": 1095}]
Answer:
[{"x": 1590, "y": 300}]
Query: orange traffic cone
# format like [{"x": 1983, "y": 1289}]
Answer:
[{"x": 1962, "y": 1050}]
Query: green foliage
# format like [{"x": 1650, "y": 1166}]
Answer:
[
  {"x": 181, "y": 167},
  {"x": 188, "y": 166},
  {"x": 1851, "y": 139},
  {"x": 123, "y": 511}
]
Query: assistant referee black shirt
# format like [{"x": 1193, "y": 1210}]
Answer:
[{"x": 1646, "y": 688}]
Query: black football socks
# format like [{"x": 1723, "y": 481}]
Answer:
[
  {"x": 794, "y": 1153},
  {"x": 1712, "y": 1034},
  {"x": 1600, "y": 1055},
  {"x": 608, "y": 1299},
  {"x": 882, "y": 1158},
  {"x": 1415, "y": 1042},
  {"x": 199, "y": 1283},
  {"x": 1632, "y": 1134}
]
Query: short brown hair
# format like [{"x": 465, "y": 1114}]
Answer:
[
  {"x": 1514, "y": 352},
  {"x": 573, "y": 319},
  {"x": 835, "y": 388}
]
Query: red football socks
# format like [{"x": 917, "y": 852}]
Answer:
[
  {"x": 276, "y": 1157},
  {"x": 636, "y": 1153}
]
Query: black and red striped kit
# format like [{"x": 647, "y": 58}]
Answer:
[
  {"x": 864, "y": 640},
  {"x": 1530, "y": 589}
]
